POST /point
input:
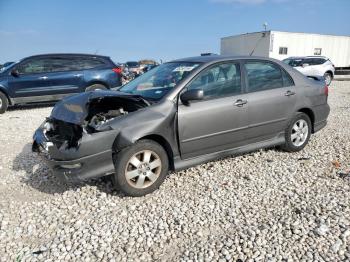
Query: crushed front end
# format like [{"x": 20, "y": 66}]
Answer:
[{"x": 76, "y": 140}]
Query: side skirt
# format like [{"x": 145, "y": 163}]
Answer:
[
  {"x": 180, "y": 164},
  {"x": 37, "y": 99}
]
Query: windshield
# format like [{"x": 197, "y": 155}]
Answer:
[
  {"x": 293, "y": 62},
  {"x": 6, "y": 66},
  {"x": 159, "y": 81}
]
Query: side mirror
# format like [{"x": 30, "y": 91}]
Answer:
[
  {"x": 15, "y": 73},
  {"x": 191, "y": 95},
  {"x": 305, "y": 65}
]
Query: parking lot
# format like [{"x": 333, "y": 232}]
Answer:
[{"x": 268, "y": 205}]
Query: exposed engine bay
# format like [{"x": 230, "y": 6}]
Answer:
[
  {"x": 82, "y": 114},
  {"x": 102, "y": 118}
]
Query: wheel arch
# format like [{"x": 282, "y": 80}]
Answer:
[
  {"x": 331, "y": 73},
  {"x": 97, "y": 82},
  {"x": 310, "y": 114},
  {"x": 165, "y": 144},
  {"x": 3, "y": 90}
]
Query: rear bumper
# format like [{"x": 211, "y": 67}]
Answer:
[
  {"x": 318, "y": 126},
  {"x": 72, "y": 170},
  {"x": 321, "y": 114}
]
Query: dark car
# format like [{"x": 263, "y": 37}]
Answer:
[
  {"x": 51, "y": 77},
  {"x": 181, "y": 114}
]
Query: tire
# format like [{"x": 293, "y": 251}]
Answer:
[
  {"x": 95, "y": 87},
  {"x": 4, "y": 103},
  {"x": 328, "y": 78},
  {"x": 145, "y": 176},
  {"x": 296, "y": 132}
]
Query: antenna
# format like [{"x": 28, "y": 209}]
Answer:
[{"x": 265, "y": 26}]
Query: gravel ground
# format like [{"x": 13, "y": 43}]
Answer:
[{"x": 264, "y": 206}]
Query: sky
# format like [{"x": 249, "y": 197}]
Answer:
[{"x": 154, "y": 29}]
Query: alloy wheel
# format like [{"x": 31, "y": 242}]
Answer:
[
  {"x": 143, "y": 169},
  {"x": 300, "y": 132}
]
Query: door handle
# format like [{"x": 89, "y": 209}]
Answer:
[
  {"x": 43, "y": 77},
  {"x": 289, "y": 93},
  {"x": 240, "y": 102}
]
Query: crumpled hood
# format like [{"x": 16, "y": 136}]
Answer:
[{"x": 77, "y": 108}]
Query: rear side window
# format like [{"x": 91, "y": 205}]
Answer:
[
  {"x": 314, "y": 61},
  {"x": 60, "y": 64},
  {"x": 319, "y": 61},
  {"x": 218, "y": 81},
  {"x": 264, "y": 75}
]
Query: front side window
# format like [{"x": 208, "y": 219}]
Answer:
[
  {"x": 159, "y": 81},
  {"x": 34, "y": 66},
  {"x": 218, "y": 81},
  {"x": 294, "y": 62},
  {"x": 263, "y": 76}
]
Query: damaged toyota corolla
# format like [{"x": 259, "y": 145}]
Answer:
[{"x": 180, "y": 114}]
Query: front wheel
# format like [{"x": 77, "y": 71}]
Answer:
[
  {"x": 297, "y": 133},
  {"x": 3, "y": 103},
  {"x": 140, "y": 168}
]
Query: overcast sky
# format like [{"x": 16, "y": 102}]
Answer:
[{"x": 159, "y": 29}]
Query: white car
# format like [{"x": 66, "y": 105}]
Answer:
[{"x": 313, "y": 66}]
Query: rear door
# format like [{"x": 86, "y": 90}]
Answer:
[
  {"x": 218, "y": 122},
  {"x": 66, "y": 75},
  {"x": 271, "y": 98}
]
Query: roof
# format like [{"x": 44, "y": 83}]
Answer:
[
  {"x": 307, "y": 56},
  {"x": 218, "y": 58},
  {"x": 288, "y": 32},
  {"x": 67, "y": 54}
]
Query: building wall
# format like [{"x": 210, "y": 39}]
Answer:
[
  {"x": 245, "y": 44},
  {"x": 337, "y": 48}
]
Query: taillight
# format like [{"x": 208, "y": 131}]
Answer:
[
  {"x": 326, "y": 90},
  {"x": 117, "y": 70}
]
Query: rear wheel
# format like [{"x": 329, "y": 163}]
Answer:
[
  {"x": 140, "y": 168},
  {"x": 298, "y": 133},
  {"x": 328, "y": 78},
  {"x": 3, "y": 103},
  {"x": 95, "y": 87}
]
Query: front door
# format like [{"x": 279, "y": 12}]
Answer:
[
  {"x": 32, "y": 80},
  {"x": 220, "y": 120}
]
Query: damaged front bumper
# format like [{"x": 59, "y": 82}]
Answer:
[{"x": 91, "y": 159}]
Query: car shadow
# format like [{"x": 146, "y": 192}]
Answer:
[{"x": 41, "y": 178}]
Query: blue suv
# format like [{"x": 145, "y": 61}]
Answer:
[{"x": 44, "y": 78}]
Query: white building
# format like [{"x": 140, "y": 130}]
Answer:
[{"x": 280, "y": 45}]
